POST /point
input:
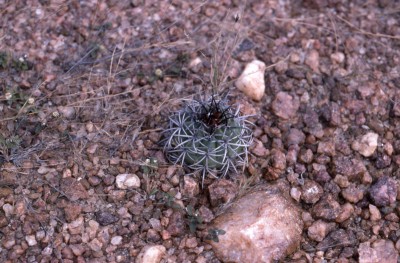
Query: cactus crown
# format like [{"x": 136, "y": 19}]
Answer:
[{"x": 208, "y": 136}]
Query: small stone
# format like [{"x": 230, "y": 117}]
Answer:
[
  {"x": 327, "y": 208},
  {"x": 285, "y": 106},
  {"x": 195, "y": 64},
  {"x": 191, "y": 242},
  {"x": 264, "y": 222},
  {"x": 383, "y": 192},
  {"x": 105, "y": 218},
  {"x": 312, "y": 60},
  {"x": 319, "y": 229},
  {"x": 77, "y": 249},
  {"x": 221, "y": 191},
  {"x": 95, "y": 245},
  {"x": 366, "y": 145},
  {"x": 5, "y": 192},
  {"x": 72, "y": 211},
  {"x": 8, "y": 243},
  {"x": 251, "y": 81},
  {"x": 353, "y": 194},
  {"x": 346, "y": 212},
  {"x": 92, "y": 148},
  {"x": 177, "y": 224},
  {"x": 115, "y": 241},
  {"x": 190, "y": 187},
  {"x": 8, "y": 210},
  {"x": 337, "y": 57},
  {"x": 127, "y": 181},
  {"x": 374, "y": 212},
  {"x": 380, "y": 251},
  {"x": 31, "y": 240},
  {"x": 67, "y": 112},
  {"x": 206, "y": 214},
  {"x": 311, "y": 192},
  {"x": 151, "y": 254},
  {"x": 295, "y": 193}
]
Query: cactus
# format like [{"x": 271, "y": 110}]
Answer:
[{"x": 208, "y": 136}]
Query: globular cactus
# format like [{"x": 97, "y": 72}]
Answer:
[{"x": 209, "y": 136}]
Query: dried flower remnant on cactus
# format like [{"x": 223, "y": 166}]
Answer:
[{"x": 209, "y": 136}]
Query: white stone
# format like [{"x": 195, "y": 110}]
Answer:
[
  {"x": 31, "y": 240},
  {"x": 151, "y": 254},
  {"x": 366, "y": 145},
  {"x": 251, "y": 81},
  {"x": 127, "y": 181},
  {"x": 116, "y": 240},
  {"x": 8, "y": 210}
]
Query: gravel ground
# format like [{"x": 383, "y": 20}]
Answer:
[{"x": 86, "y": 89}]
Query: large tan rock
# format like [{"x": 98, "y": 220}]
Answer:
[
  {"x": 151, "y": 254},
  {"x": 262, "y": 226},
  {"x": 251, "y": 81}
]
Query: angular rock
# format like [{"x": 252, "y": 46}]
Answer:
[
  {"x": 190, "y": 187},
  {"x": 262, "y": 226},
  {"x": 353, "y": 194},
  {"x": 105, "y": 218},
  {"x": 312, "y": 60},
  {"x": 374, "y": 212},
  {"x": 221, "y": 191},
  {"x": 73, "y": 189},
  {"x": 319, "y": 229},
  {"x": 380, "y": 251},
  {"x": 285, "y": 106},
  {"x": 366, "y": 145},
  {"x": 327, "y": 208},
  {"x": 311, "y": 192},
  {"x": 177, "y": 224},
  {"x": 72, "y": 211},
  {"x": 127, "y": 181},
  {"x": 337, "y": 238},
  {"x": 251, "y": 81},
  {"x": 384, "y": 191},
  {"x": 151, "y": 254}
]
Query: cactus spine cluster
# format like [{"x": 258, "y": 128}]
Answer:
[{"x": 209, "y": 136}]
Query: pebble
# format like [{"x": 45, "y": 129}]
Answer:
[
  {"x": 319, "y": 229},
  {"x": 285, "y": 106},
  {"x": 116, "y": 240},
  {"x": 311, "y": 192},
  {"x": 327, "y": 208},
  {"x": 72, "y": 211},
  {"x": 67, "y": 112},
  {"x": 346, "y": 212},
  {"x": 151, "y": 254},
  {"x": 353, "y": 193},
  {"x": 264, "y": 222},
  {"x": 31, "y": 240},
  {"x": 383, "y": 192},
  {"x": 337, "y": 57},
  {"x": 190, "y": 187},
  {"x": 295, "y": 193},
  {"x": 380, "y": 251},
  {"x": 312, "y": 60},
  {"x": 251, "y": 81},
  {"x": 366, "y": 145},
  {"x": 127, "y": 181},
  {"x": 374, "y": 212},
  {"x": 105, "y": 218},
  {"x": 8, "y": 210},
  {"x": 177, "y": 224}
]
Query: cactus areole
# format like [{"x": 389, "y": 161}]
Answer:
[{"x": 208, "y": 136}]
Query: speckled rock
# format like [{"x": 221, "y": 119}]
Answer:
[
  {"x": 190, "y": 187},
  {"x": 262, "y": 226},
  {"x": 384, "y": 191},
  {"x": 251, "y": 81},
  {"x": 366, "y": 145},
  {"x": 311, "y": 192},
  {"x": 151, "y": 254},
  {"x": 319, "y": 229},
  {"x": 380, "y": 251}
]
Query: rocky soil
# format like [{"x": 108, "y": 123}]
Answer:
[{"x": 86, "y": 89}]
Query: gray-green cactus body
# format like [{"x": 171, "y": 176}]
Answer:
[{"x": 208, "y": 136}]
